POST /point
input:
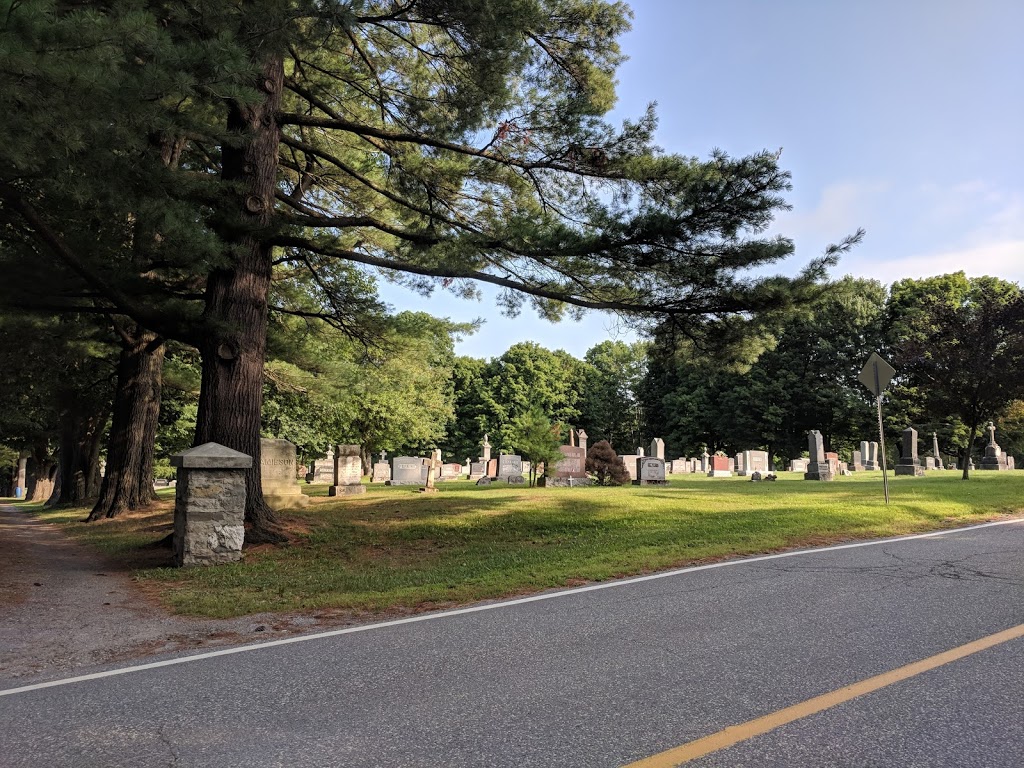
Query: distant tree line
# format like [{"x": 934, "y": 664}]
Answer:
[{"x": 957, "y": 344}]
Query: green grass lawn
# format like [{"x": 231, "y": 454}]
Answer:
[{"x": 394, "y": 549}]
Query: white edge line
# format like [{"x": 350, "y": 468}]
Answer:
[{"x": 489, "y": 606}]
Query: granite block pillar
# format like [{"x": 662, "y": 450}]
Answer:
[{"x": 209, "y": 505}]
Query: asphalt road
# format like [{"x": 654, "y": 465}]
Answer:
[{"x": 595, "y": 678}]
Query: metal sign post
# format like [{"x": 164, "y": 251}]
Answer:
[{"x": 876, "y": 376}]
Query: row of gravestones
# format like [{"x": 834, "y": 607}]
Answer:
[
  {"x": 821, "y": 467},
  {"x": 278, "y": 466}
]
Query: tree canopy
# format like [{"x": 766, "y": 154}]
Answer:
[{"x": 269, "y": 144}]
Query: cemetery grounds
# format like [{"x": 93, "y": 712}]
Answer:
[{"x": 393, "y": 551}]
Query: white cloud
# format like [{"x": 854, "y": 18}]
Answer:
[
  {"x": 917, "y": 231},
  {"x": 840, "y": 210},
  {"x": 1004, "y": 259}
]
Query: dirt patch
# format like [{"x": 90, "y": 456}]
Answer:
[{"x": 66, "y": 609}]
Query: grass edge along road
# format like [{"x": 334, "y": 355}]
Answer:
[{"x": 395, "y": 550}]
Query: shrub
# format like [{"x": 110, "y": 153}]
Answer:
[{"x": 605, "y": 465}]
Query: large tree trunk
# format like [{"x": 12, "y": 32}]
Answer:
[
  {"x": 969, "y": 450},
  {"x": 79, "y": 462},
  {"x": 128, "y": 481},
  {"x": 42, "y": 473},
  {"x": 231, "y": 397}
]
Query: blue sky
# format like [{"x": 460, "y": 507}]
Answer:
[{"x": 903, "y": 117}]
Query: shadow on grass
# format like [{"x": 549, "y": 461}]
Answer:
[{"x": 394, "y": 547}]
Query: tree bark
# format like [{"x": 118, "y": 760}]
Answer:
[
  {"x": 128, "y": 481},
  {"x": 79, "y": 461},
  {"x": 231, "y": 397},
  {"x": 42, "y": 473},
  {"x": 968, "y": 450}
]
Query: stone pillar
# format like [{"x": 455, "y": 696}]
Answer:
[
  {"x": 818, "y": 467},
  {"x": 485, "y": 450},
  {"x": 348, "y": 471},
  {"x": 658, "y": 448},
  {"x": 582, "y": 437},
  {"x": 909, "y": 464},
  {"x": 704, "y": 462},
  {"x": 935, "y": 452},
  {"x": 209, "y": 505}
]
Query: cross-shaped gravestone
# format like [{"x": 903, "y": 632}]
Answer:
[
  {"x": 432, "y": 466},
  {"x": 383, "y": 456}
]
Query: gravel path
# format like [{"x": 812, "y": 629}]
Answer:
[{"x": 64, "y": 609}]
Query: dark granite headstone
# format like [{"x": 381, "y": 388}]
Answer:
[
  {"x": 994, "y": 457},
  {"x": 909, "y": 464},
  {"x": 509, "y": 466},
  {"x": 818, "y": 467}
]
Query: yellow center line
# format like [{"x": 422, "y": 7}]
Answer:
[{"x": 736, "y": 733}]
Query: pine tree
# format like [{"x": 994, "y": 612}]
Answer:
[{"x": 439, "y": 144}]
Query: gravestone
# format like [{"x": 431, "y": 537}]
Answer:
[
  {"x": 681, "y": 467},
  {"x": 798, "y": 465},
  {"x": 1011, "y": 463},
  {"x": 857, "y": 465},
  {"x": 477, "y": 469},
  {"x": 629, "y": 461},
  {"x": 740, "y": 465},
  {"x": 572, "y": 464},
  {"x": 833, "y": 461},
  {"x": 658, "y": 448},
  {"x": 732, "y": 465},
  {"x": 650, "y": 470},
  {"x": 935, "y": 452},
  {"x": 705, "y": 463},
  {"x": 381, "y": 472},
  {"x": 994, "y": 458},
  {"x": 695, "y": 466},
  {"x": 485, "y": 450},
  {"x": 909, "y": 464},
  {"x": 450, "y": 471},
  {"x": 277, "y": 475},
  {"x": 719, "y": 467},
  {"x": 756, "y": 461},
  {"x": 870, "y": 455},
  {"x": 209, "y": 505},
  {"x": 348, "y": 471},
  {"x": 323, "y": 470},
  {"x": 510, "y": 466},
  {"x": 408, "y": 470},
  {"x": 581, "y": 440},
  {"x": 492, "y": 468},
  {"x": 929, "y": 462},
  {"x": 818, "y": 467},
  {"x": 433, "y": 467}
]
